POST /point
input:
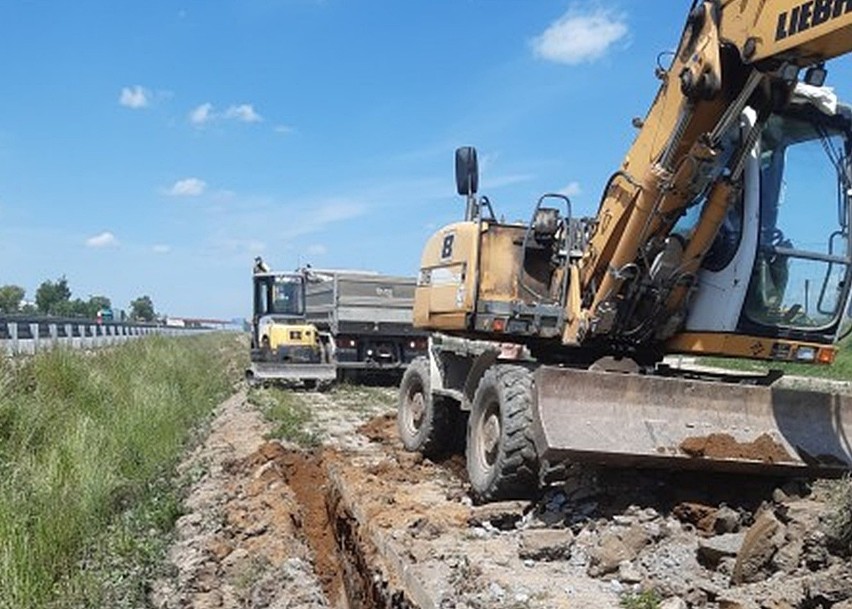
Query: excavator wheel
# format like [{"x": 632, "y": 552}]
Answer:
[
  {"x": 501, "y": 457},
  {"x": 423, "y": 420}
]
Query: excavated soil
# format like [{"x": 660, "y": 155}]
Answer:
[
  {"x": 355, "y": 522},
  {"x": 724, "y": 446}
]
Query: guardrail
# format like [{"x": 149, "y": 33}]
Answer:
[{"x": 27, "y": 335}]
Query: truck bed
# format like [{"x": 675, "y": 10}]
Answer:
[
  {"x": 349, "y": 302},
  {"x": 369, "y": 317}
]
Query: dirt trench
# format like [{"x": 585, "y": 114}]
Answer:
[
  {"x": 358, "y": 523},
  {"x": 266, "y": 527},
  {"x": 344, "y": 562}
]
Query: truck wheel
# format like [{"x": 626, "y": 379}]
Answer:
[
  {"x": 422, "y": 419},
  {"x": 501, "y": 457}
]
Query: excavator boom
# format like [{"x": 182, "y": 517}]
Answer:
[
  {"x": 732, "y": 56},
  {"x": 804, "y": 32}
]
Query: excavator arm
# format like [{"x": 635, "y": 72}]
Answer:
[{"x": 635, "y": 276}]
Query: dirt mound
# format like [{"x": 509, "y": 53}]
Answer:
[
  {"x": 381, "y": 429},
  {"x": 724, "y": 446}
]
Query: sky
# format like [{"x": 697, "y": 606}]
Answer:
[{"x": 155, "y": 148}]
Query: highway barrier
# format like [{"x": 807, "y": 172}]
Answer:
[{"x": 28, "y": 335}]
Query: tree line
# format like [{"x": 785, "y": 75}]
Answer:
[{"x": 54, "y": 298}]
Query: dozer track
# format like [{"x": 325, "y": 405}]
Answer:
[{"x": 647, "y": 421}]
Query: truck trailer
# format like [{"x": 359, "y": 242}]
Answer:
[{"x": 369, "y": 318}]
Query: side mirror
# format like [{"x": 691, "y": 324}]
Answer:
[{"x": 467, "y": 171}]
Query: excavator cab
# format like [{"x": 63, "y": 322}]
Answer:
[
  {"x": 800, "y": 284},
  {"x": 787, "y": 239}
]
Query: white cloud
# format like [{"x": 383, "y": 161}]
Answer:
[
  {"x": 283, "y": 129},
  {"x": 571, "y": 190},
  {"x": 104, "y": 239},
  {"x": 161, "y": 249},
  {"x": 189, "y": 187},
  {"x": 577, "y": 37},
  {"x": 248, "y": 225},
  {"x": 317, "y": 249},
  {"x": 201, "y": 115},
  {"x": 135, "y": 97},
  {"x": 244, "y": 113}
]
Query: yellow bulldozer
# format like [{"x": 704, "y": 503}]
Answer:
[{"x": 550, "y": 333}]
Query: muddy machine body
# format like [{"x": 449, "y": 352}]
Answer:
[{"x": 724, "y": 232}]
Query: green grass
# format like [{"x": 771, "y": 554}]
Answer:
[
  {"x": 287, "y": 412},
  {"x": 119, "y": 566},
  {"x": 648, "y": 599},
  {"x": 88, "y": 442}
]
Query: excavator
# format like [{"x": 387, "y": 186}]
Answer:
[
  {"x": 285, "y": 347},
  {"x": 724, "y": 232}
]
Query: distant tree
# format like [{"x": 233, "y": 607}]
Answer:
[
  {"x": 98, "y": 303},
  {"x": 53, "y": 297},
  {"x": 142, "y": 309},
  {"x": 10, "y": 298},
  {"x": 74, "y": 308}
]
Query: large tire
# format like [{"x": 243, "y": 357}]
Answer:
[
  {"x": 501, "y": 456},
  {"x": 422, "y": 419}
]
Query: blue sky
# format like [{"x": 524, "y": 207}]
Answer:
[{"x": 156, "y": 147}]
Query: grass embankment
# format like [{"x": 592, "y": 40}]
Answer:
[{"x": 88, "y": 443}]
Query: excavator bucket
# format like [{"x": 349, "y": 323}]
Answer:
[{"x": 645, "y": 421}]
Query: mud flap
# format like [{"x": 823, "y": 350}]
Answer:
[
  {"x": 636, "y": 420},
  {"x": 273, "y": 371}
]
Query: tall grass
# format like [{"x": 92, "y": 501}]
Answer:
[{"x": 82, "y": 436}]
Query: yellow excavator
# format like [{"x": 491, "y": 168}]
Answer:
[
  {"x": 285, "y": 347},
  {"x": 725, "y": 231}
]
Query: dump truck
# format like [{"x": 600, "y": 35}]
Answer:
[
  {"x": 724, "y": 232},
  {"x": 312, "y": 326},
  {"x": 369, "y": 319}
]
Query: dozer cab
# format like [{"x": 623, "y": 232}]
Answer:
[
  {"x": 284, "y": 347},
  {"x": 724, "y": 232}
]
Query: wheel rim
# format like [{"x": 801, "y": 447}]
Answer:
[
  {"x": 486, "y": 437},
  {"x": 415, "y": 409}
]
